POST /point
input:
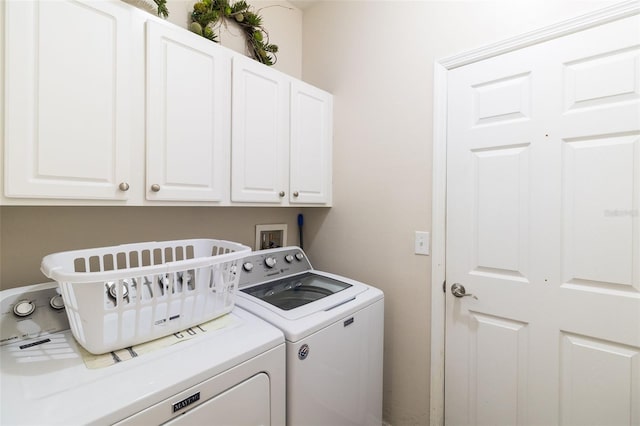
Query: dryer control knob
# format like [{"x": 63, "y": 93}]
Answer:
[
  {"x": 247, "y": 266},
  {"x": 56, "y": 302},
  {"x": 288, "y": 258},
  {"x": 270, "y": 262},
  {"x": 24, "y": 308},
  {"x": 299, "y": 256}
]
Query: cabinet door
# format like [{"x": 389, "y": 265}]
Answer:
[
  {"x": 67, "y": 101},
  {"x": 311, "y": 139},
  {"x": 188, "y": 122},
  {"x": 260, "y": 133}
]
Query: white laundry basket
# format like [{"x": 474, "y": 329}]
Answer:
[{"x": 120, "y": 296}]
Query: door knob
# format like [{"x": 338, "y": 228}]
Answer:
[{"x": 458, "y": 291}]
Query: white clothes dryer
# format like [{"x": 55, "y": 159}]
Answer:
[
  {"x": 333, "y": 328},
  {"x": 208, "y": 374}
]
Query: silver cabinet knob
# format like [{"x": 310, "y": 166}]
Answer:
[
  {"x": 155, "y": 187},
  {"x": 458, "y": 290},
  {"x": 281, "y": 193},
  {"x": 124, "y": 186},
  {"x": 295, "y": 194}
]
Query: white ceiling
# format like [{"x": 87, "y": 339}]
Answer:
[{"x": 303, "y": 4}]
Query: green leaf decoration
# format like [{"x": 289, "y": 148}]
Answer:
[
  {"x": 162, "y": 7},
  {"x": 207, "y": 13}
]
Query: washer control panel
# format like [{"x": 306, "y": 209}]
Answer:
[
  {"x": 265, "y": 265},
  {"x": 30, "y": 312}
]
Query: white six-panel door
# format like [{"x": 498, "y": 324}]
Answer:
[{"x": 543, "y": 227}]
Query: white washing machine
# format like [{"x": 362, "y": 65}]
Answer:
[
  {"x": 333, "y": 328},
  {"x": 229, "y": 371}
]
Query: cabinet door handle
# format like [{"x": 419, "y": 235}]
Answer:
[
  {"x": 295, "y": 194},
  {"x": 155, "y": 187},
  {"x": 281, "y": 193},
  {"x": 124, "y": 186}
]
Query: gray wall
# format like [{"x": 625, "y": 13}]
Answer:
[{"x": 29, "y": 233}]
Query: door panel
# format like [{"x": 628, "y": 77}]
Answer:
[
  {"x": 599, "y": 382},
  {"x": 602, "y": 80},
  {"x": 499, "y": 393},
  {"x": 597, "y": 220},
  {"x": 68, "y": 99},
  {"x": 503, "y": 100},
  {"x": 260, "y": 133},
  {"x": 500, "y": 227},
  {"x": 311, "y": 138},
  {"x": 543, "y": 195},
  {"x": 188, "y": 122}
]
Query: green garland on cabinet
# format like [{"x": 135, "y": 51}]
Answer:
[
  {"x": 206, "y": 13},
  {"x": 162, "y": 8}
]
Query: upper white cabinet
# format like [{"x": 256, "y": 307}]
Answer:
[
  {"x": 188, "y": 114},
  {"x": 310, "y": 171},
  {"x": 281, "y": 138},
  {"x": 260, "y": 133},
  {"x": 107, "y": 105},
  {"x": 67, "y": 99}
]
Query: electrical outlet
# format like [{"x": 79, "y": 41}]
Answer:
[{"x": 422, "y": 243}]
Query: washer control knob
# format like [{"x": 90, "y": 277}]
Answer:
[
  {"x": 247, "y": 266},
  {"x": 56, "y": 302},
  {"x": 270, "y": 262},
  {"x": 299, "y": 256},
  {"x": 24, "y": 308},
  {"x": 289, "y": 258}
]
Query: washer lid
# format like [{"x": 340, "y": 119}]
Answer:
[{"x": 296, "y": 291}]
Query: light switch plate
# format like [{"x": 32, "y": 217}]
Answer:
[{"x": 422, "y": 243}]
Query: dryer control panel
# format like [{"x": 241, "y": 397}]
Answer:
[
  {"x": 266, "y": 265},
  {"x": 30, "y": 312}
]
